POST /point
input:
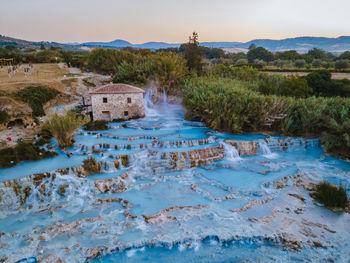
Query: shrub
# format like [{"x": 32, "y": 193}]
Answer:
[
  {"x": 300, "y": 63},
  {"x": 341, "y": 64},
  {"x": 63, "y": 127},
  {"x": 134, "y": 73},
  {"x": 96, "y": 125},
  {"x": 22, "y": 152},
  {"x": 3, "y": 116},
  {"x": 36, "y": 97},
  {"x": 294, "y": 86},
  {"x": 45, "y": 137},
  {"x": 330, "y": 195}
]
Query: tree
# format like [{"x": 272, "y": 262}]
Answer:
[
  {"x": 259, "y": 53},
  {"x": 320, "y": 82},
  {"x": 107, "y": 60},
  {"x": 317, "y": 53},
  {"x": 341, "y": 64},
  {"x": 317, "y": 63},
  {"x": 42, "y": 46},
  {"x": 294, "y": 86},
  {"x": 193, "y": 54},
  {"x": 300, "y": 63},
  {"x": 252, "y": 46},
  {"x": 345, "y": 55},
  {"x": 287, "y": 55},
  {"x": 170, "y": 68}
]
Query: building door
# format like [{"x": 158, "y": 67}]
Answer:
[{"x": 106, "y": 116}]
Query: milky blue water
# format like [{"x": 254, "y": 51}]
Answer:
[{"x": 233, "y": 209}]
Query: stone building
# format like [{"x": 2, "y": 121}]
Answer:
[{"x": 117, "y": 101}]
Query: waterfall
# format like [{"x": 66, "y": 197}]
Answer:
[
  {"x": 231, "y": 152},
  {"x": 150, "y": 110},
  {"x": 266, "y": 151},
  {"x": 164, "y": 96}
]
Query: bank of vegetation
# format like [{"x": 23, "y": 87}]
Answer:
[
  {"x": 36, "y": 97},
  {"x": 22, "y": 152}
]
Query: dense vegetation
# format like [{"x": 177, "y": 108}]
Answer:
[
  {"x": 330, "y": 195},
  {"x": 3, "y": 116},
  {"x": 63, "y": 127},
  {"x": 318, "y": 83},
  {"x": 22, "y": 152},
  {"x": 96, "y": 125},
  {"x": 36, "y": 97},
  {"x": 234, "y": 106}
]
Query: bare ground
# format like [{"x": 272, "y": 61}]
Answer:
[{"x": 71, "y": 82}]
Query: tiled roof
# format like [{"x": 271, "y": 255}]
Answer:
[{"x": 116, "y": 89}]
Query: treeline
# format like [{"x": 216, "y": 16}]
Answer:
[
  {"x": 51, "y": 55},
  {"x": 318, "y": 83}
]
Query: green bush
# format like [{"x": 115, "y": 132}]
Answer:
[
  {"x": 36, "y": 97},
  {"x": 294, "y": 86},
  {"x": 3, "y": 116},
  {"x": 63, "y": 127},
  {"x": 136, "y": 73},
  {"x": 96, "y": 125},
  {"x": 22, "y": 152},
  {"x": 330, "y": 195}
]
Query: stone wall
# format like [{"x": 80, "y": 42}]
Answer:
[{"x": 117, "y": 104}]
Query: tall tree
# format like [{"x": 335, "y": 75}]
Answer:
[
  {"x": 193, "y": 54},
  {"x": 259, "y": 53}
]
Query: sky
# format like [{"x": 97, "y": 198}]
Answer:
[{"x": 140, "y": 21}]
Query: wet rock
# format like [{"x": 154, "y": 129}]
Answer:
[
  {"x": 93, "y": 253},
  {"x": 245, "y": 148},
  {"x": 302, "y": 199},
  {"x": 289, "y": 242},
  {"x": 317, "y": 244},
  {"x": 162, "y": 217},
  {"x": 129, "y": 215}
]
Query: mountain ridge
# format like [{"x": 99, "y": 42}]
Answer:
[{"x": 301, "y": 44}]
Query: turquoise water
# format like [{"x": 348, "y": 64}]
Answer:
[{"x": 235, "y": 208}]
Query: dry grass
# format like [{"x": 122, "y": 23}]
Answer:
[{"x": 42, "y": 74}]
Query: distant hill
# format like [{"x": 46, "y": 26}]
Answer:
[
  {"x": 4, "y": 41},
  {"x": 300, "y": 44}
]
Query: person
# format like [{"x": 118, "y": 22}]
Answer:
[
  {"x": 179, "y": 136},
  {"x": 9, "y": 139},
  {"x": 154, "y": 141},
  {"x": 34, "y": 125},
  {"x": 98, "y": 137}
]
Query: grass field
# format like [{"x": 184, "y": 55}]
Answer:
[{"x": 41, "y": 74}]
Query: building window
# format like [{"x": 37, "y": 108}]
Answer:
[
  {"x": 126, "y": 113},
  {"x": 104, "y": 100},
  {"x": 129, "y": 100}
]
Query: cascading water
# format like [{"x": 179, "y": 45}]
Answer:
[
  {"x": 150, "y": 111},
  {"x": 266, "y": 151},
  {"x": 231, "y": 152},
  {"x": 171, "y": 190},
  {"x": 164, "y": 96}
]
